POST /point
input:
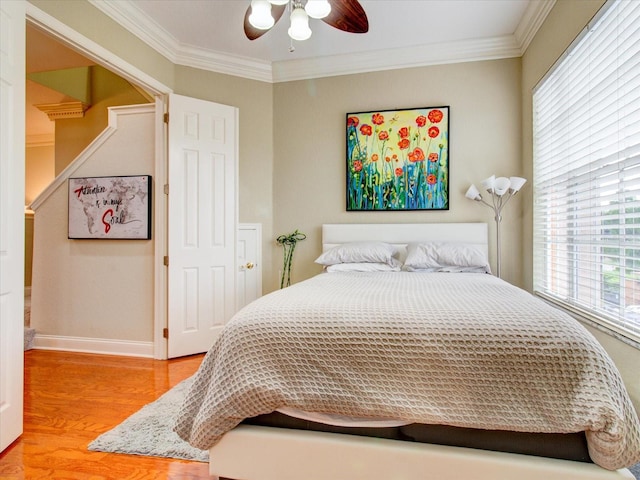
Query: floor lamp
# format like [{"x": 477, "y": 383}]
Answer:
[{"x": 501, "y": 190}]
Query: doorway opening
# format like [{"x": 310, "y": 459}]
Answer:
[{"x": 115, "y": 82}]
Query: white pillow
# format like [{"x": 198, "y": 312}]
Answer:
[
  {"x": 359, "y": 252},
  {"x": 364, "y": 267},
  {"x": 451, "y": 257}
]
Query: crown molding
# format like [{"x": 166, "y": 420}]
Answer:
[
  {"x": 64, "y": 110},
  {"x": 531, "y": 21},
  {"x": 232, "y": 65},
  {"x": 419, "y": 56},
  {"x": 133, "y": 19},
  {"x": 139, "y": 24}
]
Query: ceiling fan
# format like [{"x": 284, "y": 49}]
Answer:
[{"x": 345, "y": 15}]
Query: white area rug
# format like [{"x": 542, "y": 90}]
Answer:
[{"x": 149, "y": 431}]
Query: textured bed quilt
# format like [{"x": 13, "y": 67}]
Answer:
[{"x": 467, "y": 350}]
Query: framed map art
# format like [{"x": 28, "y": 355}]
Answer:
[
  {"x": 398, "y": 159},
  {"x": 105, "y": 208}
]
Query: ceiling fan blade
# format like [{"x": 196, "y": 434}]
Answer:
[
  {"x": 347, "y": 15},
  {"x": 252, "y": 32}
]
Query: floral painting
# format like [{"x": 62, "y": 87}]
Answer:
[{"x": 398, "y": 159}]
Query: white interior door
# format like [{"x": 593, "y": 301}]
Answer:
[
  {"x": 202, "y": 205},
  {"x": 249, "y": 263},
  {"x": 12, "y": 84}
]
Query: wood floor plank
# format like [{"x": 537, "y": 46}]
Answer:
[{"x": 71, "y": 398}]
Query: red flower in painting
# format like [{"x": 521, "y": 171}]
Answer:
[
  {"x": 403, "y": 132},
  {"x": 366, "y": 130},
  {"x": 377, "y": 119},
  {"x": 352, "y": 122},
  {"x": 357, "y": 165},
  {"x": 433, "y": 157},
  {"x": 434, "y": 132},
  {"x": 435, "y": 116},
  {"x": 417, "y": 155},
  {"x": 374, "y": 157},
  {"x": 421, "y": 121},
  {"x": 404, "y": 143},
  {"x": 399, "y": 172},
  {"x": 431, "y": 179},
  {"x": 383, "y": 135}
]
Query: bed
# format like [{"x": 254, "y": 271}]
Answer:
[{"x": 460, "y": 349}]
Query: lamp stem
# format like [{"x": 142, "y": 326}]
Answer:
[{"x": 498, "y": 219}]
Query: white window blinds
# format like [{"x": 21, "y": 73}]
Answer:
[{"x": 586, "y": 176}]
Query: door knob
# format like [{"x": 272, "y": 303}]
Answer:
[{"x": 249, "y": 265}]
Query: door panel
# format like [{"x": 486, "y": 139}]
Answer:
[
  {"x": 12, "y": 101},
  {"x": 202, "y": 222}
]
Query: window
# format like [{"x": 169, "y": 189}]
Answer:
[{"x": 586, "y": 176}]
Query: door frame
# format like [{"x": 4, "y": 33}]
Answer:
[{"x": 90, "y": 49}]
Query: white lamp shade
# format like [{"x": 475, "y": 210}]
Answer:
[
  {"x": 299, "y": 29},
  {"x": 501, "y": 185},
  {"x": 472, "y": 193},
  {"x": 488, "y": 183},
  {"x": 317, "y": 8},
  {"x": 261, "y": 14},
  {"x": 278, "y": 2},
  {"x": 517, "y": 183}
]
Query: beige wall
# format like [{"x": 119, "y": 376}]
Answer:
[
  {"x": 254, "y": 101},
  {"x": 74, "y": 134},
  {"x": 310, "y": 130},
  {"x": 100, "y": 289},
  {"x": 44, "y": 163},
  {"x": 292, "y": 176},
  {"x": 567, "y": 19},
  {"x": 39, "y": 170},
  {"x": 82, "y": 17},
  {"x": 39, "y": 173}
]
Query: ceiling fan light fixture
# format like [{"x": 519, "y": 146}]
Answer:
[
  {"x": 261, "y": 14},
  {"x": 345, "y": 15},
  {"x": 318, "y": 8},
  {"x": 299, "y": 29}
]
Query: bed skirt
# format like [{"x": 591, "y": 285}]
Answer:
[{"x": 569, "y": 446}]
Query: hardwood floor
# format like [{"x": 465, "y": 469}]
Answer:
[{"x": 71, "y": 398}]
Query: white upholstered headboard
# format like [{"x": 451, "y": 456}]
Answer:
[{"x": 404, "y": 233}]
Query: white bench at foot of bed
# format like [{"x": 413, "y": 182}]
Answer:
[{"x": 251, "y": 452}]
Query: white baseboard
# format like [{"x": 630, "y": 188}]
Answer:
[{"x": 94, "y": 345}]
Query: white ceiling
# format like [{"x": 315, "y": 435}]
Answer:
[{"x": 402, "y": 33}]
